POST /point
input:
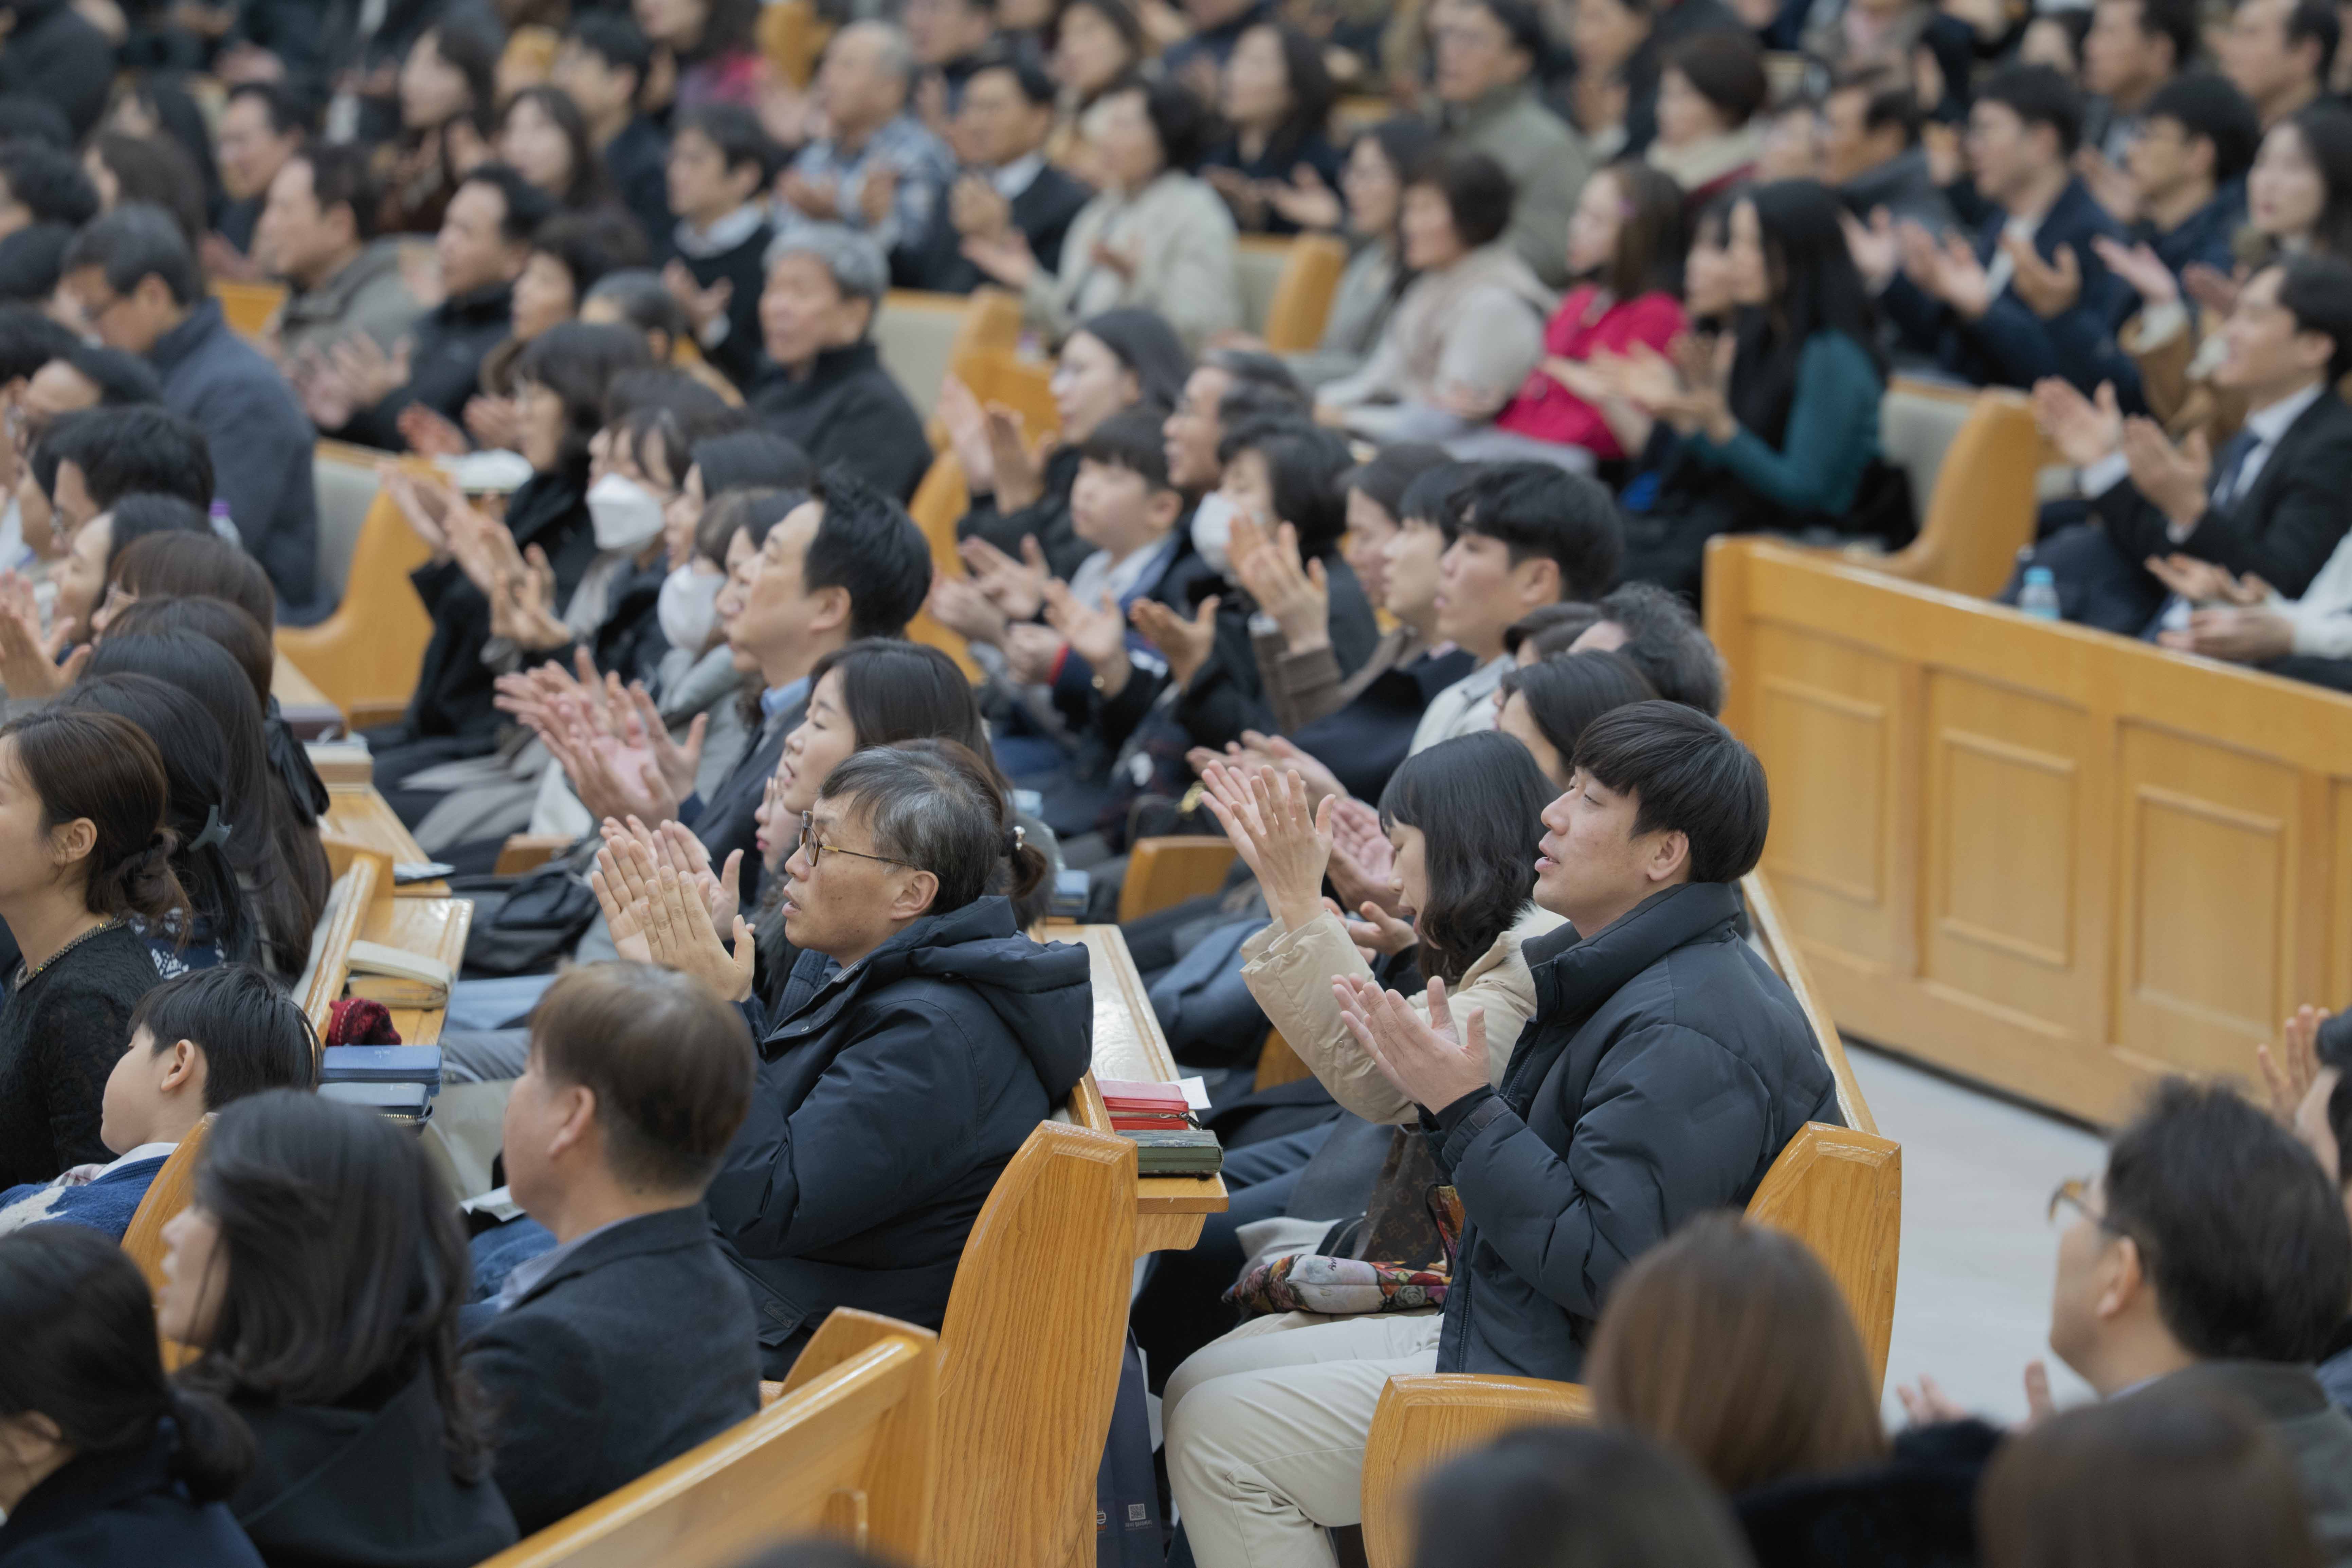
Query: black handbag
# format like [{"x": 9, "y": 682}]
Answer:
[{"x": 525, "y": 925}]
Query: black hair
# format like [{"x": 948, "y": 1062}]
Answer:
[
  {"x": 2316, "y": 289},
  {"x": 1405, "y": 142},
  {"x": 1542, "y": 511},
  {"x": 1477, "y": 190},
  {"x": 526, "y": 207},
  {"x": 615, "y": 37},
  {"x": 1028, "y": 74},
  {"x": 342, "y": 175},
  {"x": 1304, "y": 465},
  {"x": 202, "y": 571},
  {"x": 140, "y": 514},
  {"x": 48, "y": 182},
  {"x": 281, "y": 859},
  {"x": 124, "y": 380},
  {"x": 346, "y": 1264},
  {"x": 936, "y": 805},
  {"x": 1725, "y": 68},
  {"x": 195, "y": 771},
  {"x": 1312, "y": 93},
  {"x": 1664, "y": 639},
  {"x": 1259, "y": 369},
  {"x": 2316, "y": 21},
  {"x": 1552, "y": 629},
  {"x": 1566, "y": 692},
  {"x": 135, "y": 241},
  {"x": 24, "y": 118},
  {"x": 2040, "y": 95},
  {"x": 2209, "y": 107},
  {"x": 1478, "y": 801},
  {"x": 2239, "y": 1232},
  {"x": 866, "y": 543},
  {"x": 157, "y": 171},
  {"x": 1146, "y": 346},
  {"x": 29, "y": 340},
  {"x": 1180, "y": 121},
  {"x": 644, "y": 300},
  {"x": 184, "y": 126},
  {"x": 1123, "y": 21},
  {"x": 119, "y": 451},
  {"x": 2325, "y": 128},
  {"x": 1251, "y": 401},
  {"x": 742, "y": 460},
  {"x": 286, "y": 113},
  {"x": 252, "y": 1035},
  {"x": 590, "y": 245},
  {"x": 77, "y": 1345},
  {"x": 728, "y": 25},
  {"x": 589, "y": 186},
  {"x": 1523, "y": 24},
  {"x": 737, "y": 134},
  {"x": 753, "y": 513},
  {"x": 1435, "y": 497},
  {"x": 1565, "y": 1497},
  {"x": 1386, "y": 476},
  {"x": 1887, "y": 99},
  {"x": 2176, "y": 20},
  {"x": 1691, "y": 777},
  {"x": 1814, "y": 288},
  {"x": 1130, "y": 439},
  {"x": 103, "y": 767},
  {"x": 31, "y": 261},
  {"x": 579, "y": 363},
  {"x": 680, "y": 419},
  {"x": 471, "y": 39}
]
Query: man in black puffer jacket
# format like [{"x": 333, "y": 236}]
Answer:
[{"x": 1665, "y": 1068}]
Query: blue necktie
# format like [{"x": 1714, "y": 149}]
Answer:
[{"x": 2229, "y": 463}]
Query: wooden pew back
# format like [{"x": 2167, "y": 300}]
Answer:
[
  {"x": 1168, "y": 870},
  {"x": 1307, "y": 276},
  {"x": 348, "y": 905},
  {"x": 368, "y": 652},
  {"x": 247, "y": 306},
  {"x": 2055, "y": 860},
  {"x": 173, "y": 1189},
  {"x": 1979, "y": 511},
  {"x": 1424, "y": 1419},
  {"x": 851, "y": 1452},
  {"x": 1839, "y": 1191}
]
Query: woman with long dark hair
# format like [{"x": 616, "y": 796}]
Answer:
[
  {"x": 544, "y": 136},
  {"x": 202, "y": 819},
  {"x": 1276, "y": 95},
  {"x": 447, "y": 93},
  {"x": 111, "y": 1464},
  {"x": 280, "y": 864},
  {"x": 1546, "y": 705},
  {"x": 1366, "y": 209},
  {"x": 1785, "y": 437},
  {"x": 84, "y": 849},
  {"x": 317, "y": 1273}
]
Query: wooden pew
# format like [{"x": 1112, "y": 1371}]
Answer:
[
  {"x": 349, "y": 905},
  {"x": 434, "y": 927},
  {"x": 791, "y": 36},
  {"x": 1162, "y": 872},
  {"x": 357, "y": 815},
  {"x": 1168, "y": 1210},
  {"x": 1979, "y": 511},
  {"x": 1029, "y": 1355},
  {"x": 2053, "y": 860},
  {"x": 1424, "y": 1419},
  {"x": 247, "y": 306},
  {"x": 1307, "y": 276},
  {"x": 366, "y": 656},
  {"x": 174, "y": 1186},
  {"x": 853, "y": 1452}
]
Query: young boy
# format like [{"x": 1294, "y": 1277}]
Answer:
[
  {"x": 719, "y": 161},
  {"x": 603, "y": 65},
  {"x": 197, "y": 1043}
]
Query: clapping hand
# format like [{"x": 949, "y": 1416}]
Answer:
[
  {"x": 956, "y": 604},
  {"x": 1298, "y": 595},
  {"x": 1378, "y": 934},
  {"x": 2291, "y": 1074},
  {"x": 429, "y": 434},
  {"x": 493, "y": 423},
  {"x": 1363, "y": 861},
  {"x": 2048, "y": 288},
  {"x": 1015, "y": 587},
  {"x": 2211, "y": 288},
  {"x": 2241, "y": 635},
  {"x": 1928, "y": 1406},
  {"x": 2110, "y": 185},
  {"x": 2140, "y": 266},
  {"x": 368, "y": 374},
  {"x": 1098, "y": 635},
  {"x": 1429, "y": 1061},
  {"x": 28, "y": 660},
  {"x": 672, "y": 919},
  {"x": 702, "y": 306},
  {"x": 1020, "y": 464},
  {"x": 2173, "y": 479},
  {"x": 967, "y": 426},
  {"x": 2083, "y": 431},
  {"x": 1185, "y": 644},
  {"x": 1875, "y": 250},
  {"x": 1283, "y": 837},
  {"x": 1031, "y": 652},
  {"x": 876, "y": 194},
  {"x": 2203, "y": 582},
  {"x": 1306, "y": 201},
  {"x": 1004, "y": 256},
  {"x": 423, "y": 504},
  {"x": 978, "y": 209},
  {"x": 1281, "y": 752},
  {"x": 1958, "y": 279}
]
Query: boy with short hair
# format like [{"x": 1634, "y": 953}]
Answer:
[
  {"x": 197, "y": 1043},
  {"x": 603, "y": 65},
  {"x": 720, "y": 159}
]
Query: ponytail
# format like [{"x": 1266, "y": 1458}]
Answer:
[
  {"x": 216, "y": 1449},
  {"x": 99, "y": 767}
]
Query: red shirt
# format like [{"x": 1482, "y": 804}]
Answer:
[{"x": 1548, "y": 411}]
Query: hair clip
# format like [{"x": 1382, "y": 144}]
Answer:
[{"x": 216, "y": 830}]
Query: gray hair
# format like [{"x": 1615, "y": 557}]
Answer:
[
  {"x": 644, "y": 300},
  {"x": 897, "y": 54},
  {"x": 859, "y": 269},
  {"x": 930, "y": 804}
]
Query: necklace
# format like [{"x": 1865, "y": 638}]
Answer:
[{"x": 26, "y": 976}]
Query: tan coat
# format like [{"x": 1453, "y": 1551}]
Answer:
[
  {"x": 1290, "y": 973},
  {"x": 1180, "y": 235}
]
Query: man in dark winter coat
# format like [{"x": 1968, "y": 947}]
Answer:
[
  {"x": 921, "y": 1038},
  {"x": 826, "y": 387},
  {"x": 1665, "y": 1068}
]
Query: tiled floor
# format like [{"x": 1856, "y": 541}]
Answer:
[{"x": 1972, "y": 1299}]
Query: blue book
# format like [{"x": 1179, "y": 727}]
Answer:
[
  {"x": 408, "y": 1101},
  {"x": 380, "y": 1063}
]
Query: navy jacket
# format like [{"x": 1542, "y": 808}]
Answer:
[
  {"x": 2008, "y": 345},
  {"x": 634, "y": 1348},
  {"x": 888, "y": 1101},
  {"x": 261, "y": 444},
  {"x": 1663, "y": 1070},
  {"x": 122, "y": 1510},
  {"x": 636, "y": 159},
  {"x": 729, "y": 819},
  {"x": 1042, "y": 212},
  {"x": 848, "y": 410},
  {"x": 2088, "y": 348},
  {"x": 445, "y": 364}
]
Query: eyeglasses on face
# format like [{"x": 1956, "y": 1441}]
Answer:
[
  {"x": 817, "y": 851},
  {"x": 2074, "y": 1192}
]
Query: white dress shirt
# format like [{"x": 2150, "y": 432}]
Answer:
[{"x": 1464, "y": 708}]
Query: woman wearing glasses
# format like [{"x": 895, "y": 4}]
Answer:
[{"x": 917, "y": 1040}]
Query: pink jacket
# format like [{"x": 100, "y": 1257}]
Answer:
[{"x": 1548, "y": 411}]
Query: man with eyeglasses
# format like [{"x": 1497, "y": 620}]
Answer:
[
  {"x": 1486, "y": 52},
  {"x": 2212, "y": 1257}
]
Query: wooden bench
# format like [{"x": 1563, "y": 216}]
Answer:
[
  {"x": 1975, "y": 459},
  {"x": 853, "y": 1452},
  {"x": 171, "y": 1191},
  {"x": 1129, "y": 1047},
  {"x": 365, "y": 905},
  {"x": 1162, "y": 872},
  {"x": 357, "y": 815},
  {"x": 1424, "y": 1419},
  {"x": 366, "y": 655},
  {"x": 349, "y": 905},
  {"x": 248, "y": 307},
  {"x": 1029, "y": 1355},
  {"x": 2053, "y": 860},
  {"x": 1288, "y": 285}
]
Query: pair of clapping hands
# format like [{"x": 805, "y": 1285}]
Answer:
[
  {"x": 1688, "y": 387},
  {"x": 29, "y": 657},
  {"x": 665, "y": 905},
  {"x": 519, "y": 585},
  {"x": 1285, "y": 837},
  {"x": 998, "y": 603},
  {"x": 2086, "y": 430},
  {"x": 609, "y": 738}
]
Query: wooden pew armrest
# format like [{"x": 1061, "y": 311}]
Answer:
[
  {"x": 525, "y": 852},
  {"x": 1424, "y": 1419}
]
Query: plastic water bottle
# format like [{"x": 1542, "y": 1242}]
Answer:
[
  {"x": 2039, "y": 595},
  {"x": 222, "y": 525}
]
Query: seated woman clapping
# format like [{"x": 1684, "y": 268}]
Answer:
[{"x": 919, "y": 1040}]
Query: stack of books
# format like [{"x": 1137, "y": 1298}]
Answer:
[
  {"x": 1158, "y": 1119},
  {"x": 398, "y": 1081},
  {"x": 398, "y": 978}
]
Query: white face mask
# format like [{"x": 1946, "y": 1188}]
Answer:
[
  {"x": 1213, "y": 529},
  {"x": 625, "y": 512},
  {"x": 689, "y": 606}
]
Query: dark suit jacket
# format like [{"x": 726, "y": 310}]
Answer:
[
  {"x": 2008, "y": 345},
  {"x": 638, "y": 1346},
  {"x": 848, "y": 410},
  {"x": 1041, "y": 212},
  {"x": 2284, "y": 528},
  {"x": 727, "y": 821}
]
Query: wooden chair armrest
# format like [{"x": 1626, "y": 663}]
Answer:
[
  {"x": 1425, "y": 1419},
  {"x": 529, "y": 851}
]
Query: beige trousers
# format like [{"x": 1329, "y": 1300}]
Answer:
[{"x": 1265, "y": 1428}]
